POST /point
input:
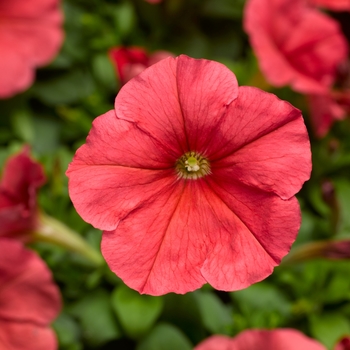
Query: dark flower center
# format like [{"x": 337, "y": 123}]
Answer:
[{"x": 192, "y": 166}]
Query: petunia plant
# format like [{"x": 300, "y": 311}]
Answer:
[{"x": 192, "y": 178}]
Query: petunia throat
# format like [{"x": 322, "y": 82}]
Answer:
[{"x": 192, "y": 166}]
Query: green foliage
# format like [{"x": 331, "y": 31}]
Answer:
[
  {"x": 54, "y": 116},
  {"x": 137, "y": 313}
]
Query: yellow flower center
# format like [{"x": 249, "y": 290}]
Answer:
[{"x": 192, "y": 166}]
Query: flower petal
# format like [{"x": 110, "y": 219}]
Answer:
[
  {"x": 18, "y": 190},
  {"x": 295, "y": 44},
  {"x": 151, "y": 101},
  {"x": 262, "y": 140},
  {"x": 119, "y": 169},
  {"x": 27, "y": 292},
  {"x": 26, "y": 336},
  {"x": 277, "y": 339},
  {"x": 206, "y": 89},
  {"x": 216, "y": 342},
  {"x": 160, "y": 248},
  {"x": 251, "y": 238},
  {"x": 178, "y": 101}
]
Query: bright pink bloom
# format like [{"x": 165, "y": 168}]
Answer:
[
  {"x": 344, "y": 344},
  {"x": 30, "y": 36},
  {"x": 253, "y": 339},
  {"x": 295, "y": 44},
  {"x": 193, "y": 179},
  {"x": 334, "y": 5},
  {"x": 29, "y": 299},
  {"x": 131, "y": 61},
  {"x": 20, "y": 181}
]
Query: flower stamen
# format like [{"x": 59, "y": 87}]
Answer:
[{"x": 192, "y": 166}]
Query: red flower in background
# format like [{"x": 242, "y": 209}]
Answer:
[
  {"x": 344, "y": 344},
  {"x": 131, "y": 61},
  {"x": 334, "y": 5},
  {"x": 30, "y": 36},
  {"x": 253, "y": 339},
  {"x": 20, "y": 181},
  {"x": 326, "y": 109},
  {"x": 29, "y": 299},
  {"x": 295, "y": 44},
  {"x": 193, "y": 179}
]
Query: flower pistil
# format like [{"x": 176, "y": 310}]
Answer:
[{"x": 192, "y": 166}]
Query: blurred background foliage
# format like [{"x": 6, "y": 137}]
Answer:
[{"x": 54, "y": 116}]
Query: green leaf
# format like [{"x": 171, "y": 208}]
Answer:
[
  {"x": 165, "y": 337},
  {"x": 263, "y": 304},
  {"x": 137, "y": 313},
  {"x": 216, "y": 315},
  {"x": 67, "y": 330},
  {"x": 65, "y": 89},
  {"x": 328, "y": 328},
  {"x": 94, "y": 311}
]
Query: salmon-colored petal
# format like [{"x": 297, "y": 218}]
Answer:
[
  {"x": 250, "y": 239},
  {"x": 253, "y": 339},
  {"x": 295, "y": 44},
  {"x": 191, "y": 234},
  {"x": 26, "y": 336},
  {"x": 25, "y": 9},
  {"x": 334, "y": 5},
  {"x": 119, "y": 169},
  {"x": 27, "y": 292},
  {"x": 151, "y": 101},
  {"x": 205, "y": 89},
  {"x": 16, "y": 75},
  {"x": 160, "y": 248},
  {"x": 216, "y": 342},
  {"x": 276, "y": 339},
  {"x": 30, "y": 36},
  {"x": 258, "y": 124}
]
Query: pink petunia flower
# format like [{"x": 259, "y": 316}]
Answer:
[
  {"x": 295, "y": 44},
  {"x": 21, "y": 179},
  {"x": 29, "y": 299},
  {"x": 334, "y": 5},
  {"x": 30, "y": 36},
  {"x": 192, "y": 178},
  {"x": 129, "y": 62},
  {"x": 253, "y": 339}
]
